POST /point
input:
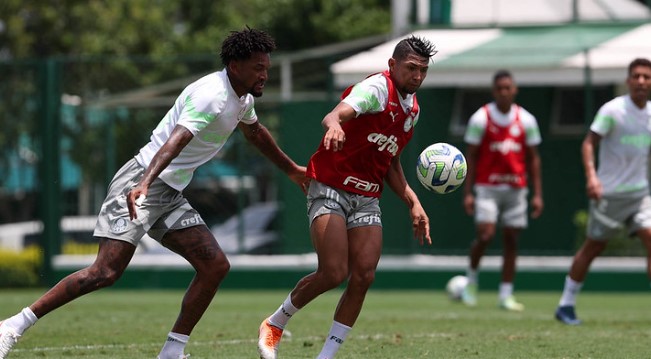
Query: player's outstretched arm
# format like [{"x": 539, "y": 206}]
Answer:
[
  {"x": 334, "y": 136},
  {"x": 398, "y": 183},
  {"x": 259, "y": 136}
]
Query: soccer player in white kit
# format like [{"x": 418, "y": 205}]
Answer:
[
  {"x": 145, "y": 196},
  {"x": 619, "y": 189}
]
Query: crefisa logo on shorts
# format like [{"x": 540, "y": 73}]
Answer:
[
  {"x": 192, "y": 221},
  {"x": 119, "y": 225}
]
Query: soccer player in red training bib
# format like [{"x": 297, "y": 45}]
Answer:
[
  {"x": 502, "y": 157},
  {"x": 364, "y": 135}
]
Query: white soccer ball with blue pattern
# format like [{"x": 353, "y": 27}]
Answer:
[{"x": 441, "y": 168}]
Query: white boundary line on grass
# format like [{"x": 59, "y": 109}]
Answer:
[
  {"x": 416, "y": 262},
  {"x": 251, "y": 341}
]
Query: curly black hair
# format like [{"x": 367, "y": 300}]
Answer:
[
  {"x": 240, "y": 45},
  {"x": 413, "y": 44}
]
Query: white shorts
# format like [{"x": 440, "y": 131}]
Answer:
[
  {"x": 507, "y": 204},
  {"x": 611, "y": 214},
  {"x": 163, "y": 210},
  {"x": 357, "y": 210}
]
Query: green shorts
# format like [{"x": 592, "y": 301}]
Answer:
[{"x": 163, "y": 210}]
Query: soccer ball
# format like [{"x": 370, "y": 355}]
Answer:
[
  {"x": 441, "y": 168},
  {"x": 455, "y": 286}
]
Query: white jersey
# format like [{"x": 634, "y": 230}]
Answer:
[
  {"x": 210, "y": 109},
  {"x": 624, "y": 148},
  {"x": 372, "y": 94},
  {"x": 477, "y": 124}
]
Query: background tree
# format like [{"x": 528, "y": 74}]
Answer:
[{"x": 106, "y": 48}]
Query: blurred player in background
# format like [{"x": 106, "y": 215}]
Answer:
[
  {"x": 364, "y": 136},
  {"x": 502, "y": 156},
  {"x": 619, "y": 189},
  {"x": 193, "y": 131}
]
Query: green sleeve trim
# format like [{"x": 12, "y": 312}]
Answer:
[
  {"x": 192, "y": 112},
  {"x": 605, "y": 122},
  {"x": 368, "y": 103}
]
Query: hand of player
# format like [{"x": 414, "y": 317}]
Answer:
[
  {"x": 536, "y": 206},
  {"x": 135, "y": 198},
  {"x": 593, "y": 188},
  {"x": 334, "y": 138},
  {"x": 469, "y": 204},
  {"x": 298, "y": 177},
  {"x": 420, "y": 223}
]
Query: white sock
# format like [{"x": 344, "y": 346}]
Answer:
[
  {"x": 506, "y": 290},
  {"x": 174, "y": 346},
  {"x": 335, "y": 339},
  {"x": 472, "y": 275},
  {"x": 21, "y": 321},
  {"x": 284, "y": 313},
  {"x": 570, "y": 291}
]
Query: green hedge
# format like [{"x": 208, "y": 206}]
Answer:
[{"x": 20, "y": 269}]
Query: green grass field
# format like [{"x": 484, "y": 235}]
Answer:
[{"x": 394, "y": 324}]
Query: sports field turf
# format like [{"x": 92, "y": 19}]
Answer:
[{"x": 394, "y": 324}]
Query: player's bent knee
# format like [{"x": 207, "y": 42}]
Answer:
[
  {"x": 332, "y": 278},
  {"x": 216, "y": 269},
  {"x": 103, "y": 277},
  {"x": 363, "y": 279}
]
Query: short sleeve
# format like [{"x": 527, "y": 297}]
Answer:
[
  {"x": 604, "y": 121},
  {"x": 531, "y": 129},
  {"x": 476, "y": 127},
  {"x": 368, "y": 96},
  {"x": 248, "y": 113},
  {"x": 199, "y": 110}
]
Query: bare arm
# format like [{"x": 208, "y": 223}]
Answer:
[
  {"x": 335, "y": 137},
  {"x": 259, "y": 136},
  {"x": 535, "y": 173},
  {"x": 469, "y": 182},
  {"x": 396, "y": 180},
  {"x": 179, "y": 138},
  {"x": 593, "y": 185}
]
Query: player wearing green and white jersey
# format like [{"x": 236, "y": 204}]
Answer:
[
  {"x": 145, "y": 194},
  {"x": 624, "y": 147},
  {"x": 210, "y": 109},
  {"x": 619, "y": 189}
]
